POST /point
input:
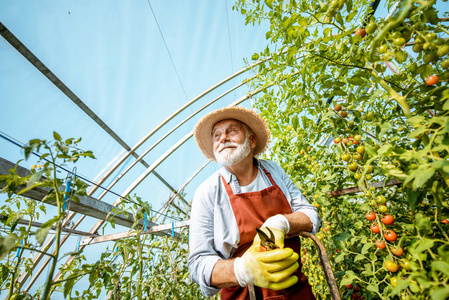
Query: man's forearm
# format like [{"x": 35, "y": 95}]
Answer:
[
  {"x": 298, "y": 222},
  {"x": 223, "y": 274}
]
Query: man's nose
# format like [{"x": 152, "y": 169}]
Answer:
[{"x": 223, "y": 138}]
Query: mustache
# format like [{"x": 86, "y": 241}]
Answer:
[{"x": 227, "y": 144}]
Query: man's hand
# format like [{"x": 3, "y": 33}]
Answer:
[{"x": 269, "y": 269}]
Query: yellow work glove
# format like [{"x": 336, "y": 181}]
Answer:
[{"x": 268, "y": 269}]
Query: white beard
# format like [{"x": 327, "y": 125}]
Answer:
[{"x": 229, "y": 157}]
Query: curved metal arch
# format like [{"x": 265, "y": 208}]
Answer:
[
  {"x": 175, "y": 113},
  {"x": 150, "y": 169},
  {"x": 120, "y": 176}
]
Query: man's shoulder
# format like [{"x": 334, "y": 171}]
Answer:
[
  {"x": 269, "y": 164},
  {"x": 210, "y": 184}
]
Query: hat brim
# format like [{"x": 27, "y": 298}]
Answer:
[{"x": 203, "y": 129}]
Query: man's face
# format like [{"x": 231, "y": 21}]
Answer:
[{"x": 231, "y": 142}]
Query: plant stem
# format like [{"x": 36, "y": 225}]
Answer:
[
  {"x": 139, "y": 249},
  {"x": 49, "y": 282}
]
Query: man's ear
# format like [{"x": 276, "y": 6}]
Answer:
[{"x": 253, "y": 141}]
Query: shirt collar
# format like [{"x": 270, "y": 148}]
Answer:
[{"x": 228, "y": 175}]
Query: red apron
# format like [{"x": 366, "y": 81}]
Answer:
[{"x": 250, "y": 211}]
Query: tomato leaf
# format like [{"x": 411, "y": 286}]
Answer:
[
  {"x": 412, "y": 198},
  {"x": 366, "y": 247},
  {"x": 56, "y": 136},
  {"x": 359, "y": 257},
  {"x": 373, "y": 288},
  {"x": 440, "y": 294},
  {"x": 422, "y": 176},
  {"x": 422, "y": 246},
  {"x": 41, "y": 234},
  {"x": 441, "y": 266}
]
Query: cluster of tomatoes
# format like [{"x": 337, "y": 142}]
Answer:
[
  {"x": 389, "y": 237},
  {"x": 355, "y": 289},
  {"x": 355, "y": 157},
  {"x": 426, "y": 42}
]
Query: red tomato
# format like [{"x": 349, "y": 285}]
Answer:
[
  {"x": 375, "y": 227},
  {"x": 397, "y": 251},
  {"x": 361, "y": 32},
  {"x": 445, "y": 221},
  {"x": 380, "y": 244},
  {"x": 349, "y": 286},
  {"x": 390, "y": 236},
  {"x": 432, "y": 79},
  {"x": 371, "y": 216},
  {"x": 388, "y": 219}
]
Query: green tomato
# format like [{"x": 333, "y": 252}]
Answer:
[
  {"x": 417, "y": 47},
  {"x": 371, "y": 27},
  {"x": 445, "y": 63},
  {"x": 383, "y": 48},
  {"x": 399, "y": 42},
  {"x": 382, "y": 208},
  {"x": 430, "y": 57},
  {"x": 357, "y": 156},
  {"x": 431, "y": 36},
  {"x": 361, "y": 149},
  {"x": 395, "y": 35},
  {"x": 381, "y": 200},
  {"x": 443, "y": 50},
  {"x": 405, "y": 264},
  {"x": 369, "y": 169},
  {"x": 353, "y": 166},
  {"x": 346, "y": 157}
]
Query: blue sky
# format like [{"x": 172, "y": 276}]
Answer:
[{"x": 112, "y": 55}]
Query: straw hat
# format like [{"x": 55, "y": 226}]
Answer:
[{"x": 203, "y": 129}]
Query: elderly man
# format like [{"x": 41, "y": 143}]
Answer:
[{"x": 247, "y": 193}]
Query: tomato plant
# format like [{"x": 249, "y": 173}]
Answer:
[
  {"x": 135, "y": 267},
  {"x": 316, "y": 60}
]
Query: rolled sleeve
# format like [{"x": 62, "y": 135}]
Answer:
[{"x": 297, "y": 200}]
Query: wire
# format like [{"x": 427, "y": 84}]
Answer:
[
  {"x": 166, "y": 47},
  {"x": 21, "y": 145}
]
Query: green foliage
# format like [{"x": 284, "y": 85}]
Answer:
[
  {"x": 142, "y": 266},
  {"x": 322, "y": 58}
]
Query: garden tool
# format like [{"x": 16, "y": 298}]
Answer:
[
  {"x": 335, "y": 294},
  {"x": 267, "y": 243}
]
